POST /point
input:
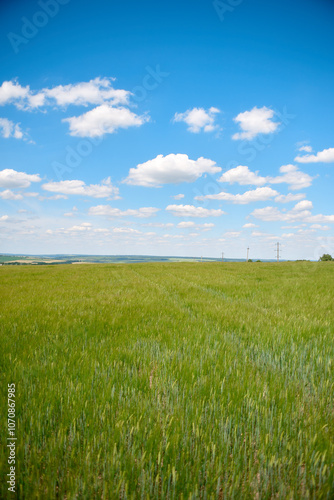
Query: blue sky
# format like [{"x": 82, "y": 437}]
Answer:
[{"x": 183, "y": 128}]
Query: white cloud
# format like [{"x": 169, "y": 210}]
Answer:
[
  {"x": 178, "y": 196},
  {"x": 10, "y": 178},
  {"x": 254, "y": 122},
  {"x": 10, "y": 129},
  {"x": 258, "y": 234},
  {"x": 319, "y": 226},
  {"x": 108, "y": 211},
  {"x": 325, "y": 156},
  {"x": 186, "y": 224},
  {"x": 258, "y": 194},
  {"x": 12, "y": 92},
  {"x": 9, "y": 195},
  {"x": 303, "y": 205},
  {"x": 300, "y": 213},
  {"x": 76, "y": 187},
  {"x": 4, "y": 217},
  {"x": 291, "y": 175},
  {"x": 232, "y": 234},
  {"x": 85, "y": 226},
  {"x": 249, "y": 224},
  {"x": 243, "y": 176},
  {"x": 198, "y": 119},
  {"x": 157, "y": 224},
  {"x": 96, "y": 91},
  {"x": 295, "y": 178},
  {"x": 126, "y": 230},
  {"x": 286, "y": 198},
  {"x": 191, "y": 211},
  {"x": 170, "y": 169},
  {"x": 307, "y": 149},
  {"x": 103, "y": 119}
]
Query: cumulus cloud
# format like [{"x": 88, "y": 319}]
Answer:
[
  {"x": 10, "y": 178},
  {"x": 301, "y": 213},
  {"x": 96, "y": 91},
  {"x": 108, "y": 211},
  {"x": 13, "y": 92},
  {"x": 232, "y": 234},
  {"x": 243, "y": 176},
  {"x": 198, "y": 119},
  {"x": 258, "y": 194},
  {"x": 186, "y": 224},
  {"x": 170, "y": 169},
  {"x": 307, "y": 149},
  {"x": 325, "y": 156},
  {"x": 103, "y": 119},
  {"x": 76, "y": 187},
  {"x": 157, "y": 224},
  {"x": 286, "y": 198},
  {"x": 178, "y": 196},
  {"x": 191, "y": 211},
  {"x": 125, "y": 230},
  {"x": 10, "y": 129},
  {"x": 319, "y": 226},
  {"x": 249, "y": 224},
  {"x": 254, "y": 122},
  {"x": 7, "y": 194},
  {"x": 291, "y": 175},
  {"x": 4, "y": 217}
]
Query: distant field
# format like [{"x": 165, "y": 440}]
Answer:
[{"x": 169, "y": 380}]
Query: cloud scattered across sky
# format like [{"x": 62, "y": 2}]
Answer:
[
  {"x": 104, "y": 119},
  {"x": 199, "y": 119},
  {"x": 192, "y": 211},
  {"x": 258, "y": 194},
  {"x": 108, "y": 211},
  {"x": 300, "y": 212},
  {"x": 10, "y": 129},
  {"x": 170, "y": 169},
  {"x": 254, "y": 122},
  {"x": 76, "y": 187},
  {"x": 324, "y": 156},
  {"x": 96, "y": 91},
  {"x": 10, "y": 178},
  {"x": 291, "y": 175}
]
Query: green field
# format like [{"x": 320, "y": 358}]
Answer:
[{"x": 169, "y": 380}]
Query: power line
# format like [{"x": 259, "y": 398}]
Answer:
[{"x": 277, "y": 250}]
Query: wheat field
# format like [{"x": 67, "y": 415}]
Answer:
[{"x": 169, "y": 380}]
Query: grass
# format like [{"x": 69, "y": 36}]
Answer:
[{"x": 170, "y": 380}]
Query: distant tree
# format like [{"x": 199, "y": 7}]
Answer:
[
  {"x": 259, "y": 260},
  {"x": 250, "y": 260},
  {"x": 325, "y": 257}
]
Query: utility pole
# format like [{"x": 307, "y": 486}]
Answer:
[
  {"x": 222, "y": 256},
  {"x": 247, "y": 253},
  {"x": 277, "y": 251}
]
